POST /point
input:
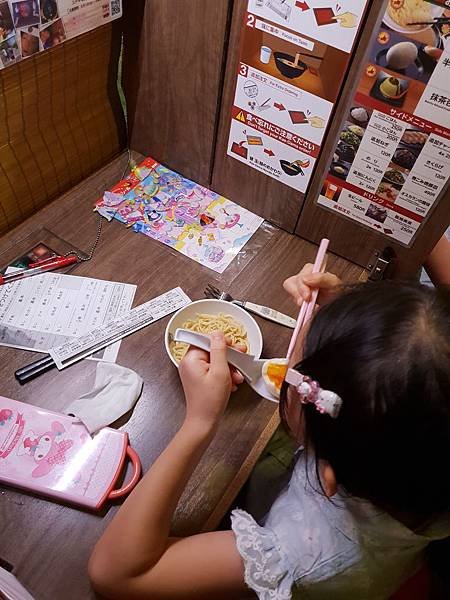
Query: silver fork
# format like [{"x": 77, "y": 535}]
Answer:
[{"x": 263, "y": 311}]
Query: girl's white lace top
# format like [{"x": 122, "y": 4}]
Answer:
[{"x": 313, "y": 548}]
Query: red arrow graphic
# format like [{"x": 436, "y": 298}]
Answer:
[
  {"x": 302, "y": 6},
  {"x": 269, "y": 152},
  {"x": 279, "y": 106}
]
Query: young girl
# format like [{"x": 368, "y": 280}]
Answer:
[{"x": 370, "y": 403}]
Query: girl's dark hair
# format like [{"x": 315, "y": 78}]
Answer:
[{"x": 385, "y": 349}]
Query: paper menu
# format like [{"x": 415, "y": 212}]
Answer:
[
  {"x": 391, "y": 162},
  {"x": 81, "y": 16},
  {"x": 389, "y": 185},
  {"x": 434, "y": 103},
  {"x": 40, "y": 312}
]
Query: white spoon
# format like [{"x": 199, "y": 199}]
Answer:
[{"x": 247, "y": 364}]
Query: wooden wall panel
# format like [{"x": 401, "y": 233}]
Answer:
[
  {"x": 257, "y": 192},
  {"x": 59, "y": 121},
  {"x": 173, "y": 80}
]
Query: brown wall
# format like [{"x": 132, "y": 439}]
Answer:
[{"x": 173, "y": 65}]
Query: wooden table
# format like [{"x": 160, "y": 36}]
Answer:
[{"x": 49, "y": 544}]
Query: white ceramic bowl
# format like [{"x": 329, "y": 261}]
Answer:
[{"x": 214, "y": 307}]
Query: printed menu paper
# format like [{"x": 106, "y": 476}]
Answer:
[
  {"x": 392, "y": 160},
  {"x": 40, "y": 312},
  {"x": 293, "y": 59}
]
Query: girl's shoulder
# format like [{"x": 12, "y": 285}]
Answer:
[
  {"x": 296, "y": 540},
  {"x": 336, "y": 545},
  {"x": 358, "y": 519},
  {"x": 289, "y": 551}
]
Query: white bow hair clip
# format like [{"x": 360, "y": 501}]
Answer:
[{"x": 325, "y": 401}]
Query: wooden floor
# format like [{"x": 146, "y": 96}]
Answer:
[{"x": 49, "y": 544}]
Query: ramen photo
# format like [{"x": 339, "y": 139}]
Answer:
[
  {"x": 405, "y": 12},
  {"x": 205, "y": 323}
]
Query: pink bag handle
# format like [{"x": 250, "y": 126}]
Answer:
[{"x": 136, "y": 463}]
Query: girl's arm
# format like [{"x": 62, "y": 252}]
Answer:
[
  {"x": 135, "y": 558},
  {"x": 437, "y": 264}
]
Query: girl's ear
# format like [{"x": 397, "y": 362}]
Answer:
[{"x": 328, "y": 478}]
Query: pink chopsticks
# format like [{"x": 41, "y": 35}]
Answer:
[{"x": 307, "y": 307}]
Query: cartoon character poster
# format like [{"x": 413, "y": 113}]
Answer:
[{"x": 182, "y": 214}]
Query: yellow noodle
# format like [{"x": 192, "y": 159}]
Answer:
[
  {"x": 409, "y": 11},
  {"x": 204, "y": 323}
]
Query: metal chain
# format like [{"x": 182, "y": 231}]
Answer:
[
  {"x": 94, "y": 245},
  {"x": 100, "y": 222}
]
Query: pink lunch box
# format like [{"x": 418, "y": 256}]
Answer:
[{"x": 54, "y": 455}]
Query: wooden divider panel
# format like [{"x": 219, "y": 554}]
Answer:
[
  {"x": 173, "y": 79},
  {"x": 255, "y": 191},
  {"x": 60, "y": 120}
]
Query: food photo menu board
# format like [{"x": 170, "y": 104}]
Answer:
[
  {"x": 31, "y": 26},
  {"x": 392, "y": 159},
  {"x": 293, "y": 58}
]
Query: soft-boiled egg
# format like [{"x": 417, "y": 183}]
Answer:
[{"x": 274, "y": 372}]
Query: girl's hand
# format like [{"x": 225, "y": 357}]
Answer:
[
  {"x": 208, "y": 381},
  {"x": 300, "y": 286}
]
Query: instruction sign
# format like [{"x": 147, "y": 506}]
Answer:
[
  {"x": 293, "y": 58},
  {"x": 392, "y": 159}
]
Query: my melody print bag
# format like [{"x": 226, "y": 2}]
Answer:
[{"x": 54, "y": 455}]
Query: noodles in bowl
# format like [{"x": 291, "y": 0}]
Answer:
[
  {"x": 205, "y": 323},
  {"x": 206, "y": 316},
  {"x": 401, "y": 15},
  {"x": 405, "y": 12}
]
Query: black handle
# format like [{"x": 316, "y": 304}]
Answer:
[{"x": 34, "y": 369}]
